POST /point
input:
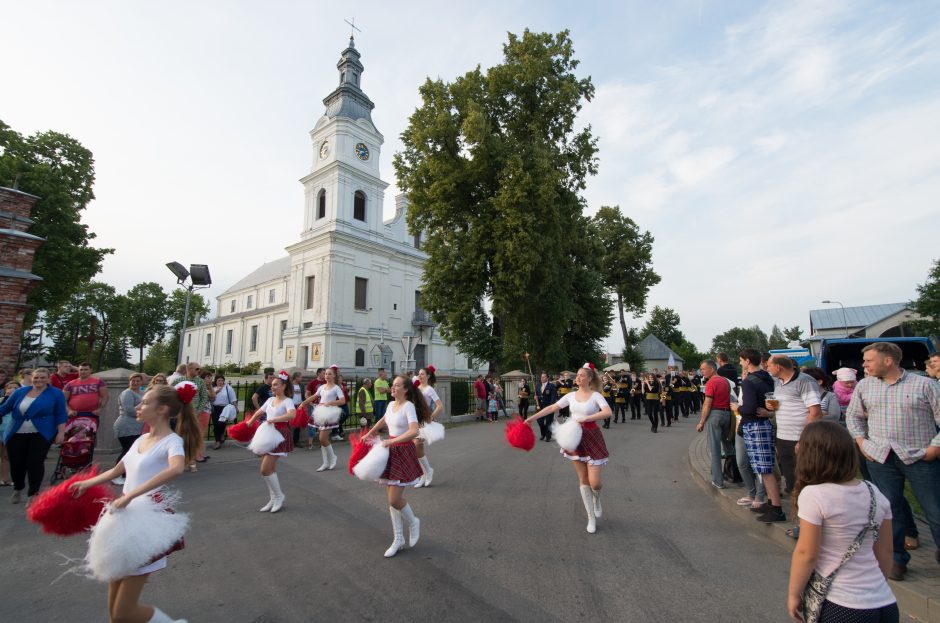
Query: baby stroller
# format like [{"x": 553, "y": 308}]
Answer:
[{"x": 78, "y": 449}]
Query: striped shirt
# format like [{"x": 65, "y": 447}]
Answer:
[{"x": 902, "y": 416}]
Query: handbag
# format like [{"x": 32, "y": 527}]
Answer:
[
  {"x": 818, "y": 586},
  {"x": 229, "y": 413}
]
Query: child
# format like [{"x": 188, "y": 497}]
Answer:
[
  {"x": 493, "y": 407},
  {"x": 839, "y": 513},
  {"x": 844, "y": 385}
]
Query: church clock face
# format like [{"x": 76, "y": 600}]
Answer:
[
  {"x": 324, "y": 150},
  {"x": 362, "y": 152}
]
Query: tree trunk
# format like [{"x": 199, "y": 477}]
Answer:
[
  {"x": 140, "y": 363},
  {"x": 623, "y": 322}
]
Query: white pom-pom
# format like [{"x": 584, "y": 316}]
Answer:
[
  {"x": 125, "y": 540},
  {"x": 568, "y": 435},
  {"x": 372, "y": 465},
  {"x": 326, "y": 416},
  {"x": 266, "y": 438},
  {"x": 431, "y": 432}
]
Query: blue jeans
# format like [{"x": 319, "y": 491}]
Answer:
[
  {"x": 717, "y": 425},
  {"x": 925, "y": 483},
  {"x": 753, "y": 483},
  {"x": 380, "y": 406}
]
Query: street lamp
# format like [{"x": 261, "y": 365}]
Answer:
[
  {"x": 845, "y": 324},
  {"x": 198, "y": 275}
]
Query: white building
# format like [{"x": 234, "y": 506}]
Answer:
[{"x": 349, "y": 291}]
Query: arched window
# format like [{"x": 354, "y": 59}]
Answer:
[
  {"x": 321, "y": 204},
  {"x": 360, "y": 358},
  {"x": 359, "y": 206}
]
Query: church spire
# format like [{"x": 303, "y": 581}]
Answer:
[{"x": 348, "y": 99}]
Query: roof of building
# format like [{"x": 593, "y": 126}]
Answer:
[
  {"x": 278, "y": 269},
  {"x": 861, "y": 316},
  {"x": 653, "y": 348}
]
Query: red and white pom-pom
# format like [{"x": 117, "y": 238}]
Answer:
[
  {"x": 568, "y": 435},
  {"x": 125, "y": 540},
  {"x": 186, "y": 391},
  {"x": 372, "y": 465},
  {"x": 589, "y": 366},
  {"x": 360, "y": 448},
  {"x": 519, "y": 434},
  {"x": 301, "y": 419},
  {"x": 431, "y": 432},
  {"x": 283, "y": 375},
  {"x": 266, "y": 438},
  {"x": 243, "y": 431},
  {"x": 58, "y": 511}
]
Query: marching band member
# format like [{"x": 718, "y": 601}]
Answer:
[{"x": 651, "y": 391}]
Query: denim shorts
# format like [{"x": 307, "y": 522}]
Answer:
[{"x": 759, "y": 443}]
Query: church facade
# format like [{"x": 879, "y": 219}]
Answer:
[{"x": 349, "y": 291}]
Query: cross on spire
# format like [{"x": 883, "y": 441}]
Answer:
[{"x": 353, "y": 26}]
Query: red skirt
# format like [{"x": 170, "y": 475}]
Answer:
[
  {"x": 288, "y": 444},
  {"x": 403, "y": 467},
  {"x": 592, "y": 449}
]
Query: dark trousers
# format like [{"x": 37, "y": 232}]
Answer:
[
  {"x": 786, "y": 458},
  {"x": 524, "y": 408},
  {"x": 622, "y": 410},
  {"x": 614, "y": 411},
  {"x": 342, "y": 420},
  {"x": 696, "y": 400},
  {"x": 652, "y": 412},
  {"x": 684, "y": 403},
  {"x": 218, "y": 428},
  {"x": 126, "y": 443},
  {"x": 545, "y": 426},
  {"x": 834, "y": 613},
  {"x": 27, "y": 452},
  {"x": 636, "y": 403}
]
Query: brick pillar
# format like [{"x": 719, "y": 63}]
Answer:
[{"x": 17, "y": 249}]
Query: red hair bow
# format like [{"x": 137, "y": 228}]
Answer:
[
  {"x": 186, "y": 391},
  {"x": 431, "y": 369},
  {"x": 589, "y": 366},
  {"x": 283, "y": 375}
]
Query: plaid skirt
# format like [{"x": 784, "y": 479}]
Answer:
[
  {"x": 403, "y": 468},
  {"x": 288, "y": 444},
  {"x": 592, "y": 449}
]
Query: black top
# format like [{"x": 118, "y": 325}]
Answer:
[
  {"x": 263, "y": 393},
  {"x": 753, "y": 390}
]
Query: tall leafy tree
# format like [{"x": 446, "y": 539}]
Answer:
[
  {"x": 777, "y": 339},
  {"x": 493, "y": 166},
  {"x": 591, "y": 309},
  {"x": 61, "y": 172},
  {"x": 176, "y": 306},
  {"x": 626, "y": 263},
  {"x": 690, "y": 354},
  {"x": 737, "y": 339},
  {"x": 146, "y": 316},
  {"x": 664, "y": 324},
  {"x": 793, "y": 334},
  {"x": 927, "y": 303}
]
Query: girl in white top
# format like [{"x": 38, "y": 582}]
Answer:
[
  {"x": 402, "y": 419},
  {"x": 155, "y": 459},
  {"x": 587, "y": 407},
  {"x": 426, "y": 380},
  {"x": 833, "y": 507},
  {"x": 327, "y": 395},
  {"x": 278, "y": 410}
]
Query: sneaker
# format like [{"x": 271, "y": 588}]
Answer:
[
  {"x": 774, "y": 515},
  {"x": 15, "y": 498},
  {"x": 745, "y": 501},
  {"x": 336, "y": 438},
  {"x": 898, "y": 571},
  {"x": 717, "y": 486},
  {"x": 761, "y": 508}
]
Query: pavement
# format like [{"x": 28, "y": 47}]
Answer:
[
  {"x": 502, "y": 539},
  {"x": 918, "y": 595}
]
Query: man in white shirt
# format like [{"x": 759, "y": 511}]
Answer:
[{"x": 798, "y": 396}]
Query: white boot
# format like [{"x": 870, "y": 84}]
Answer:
[
  {"x": 278, "y": 500},
  {"x": 598, "y": 509},
  {"x": 325, "y": 453},
  {"x": 159, "y": 616},
  {"x": 414, "y": 525},
  {"x": 397, "y": 530},
  {"x": 428, "y": 470},
  {"x": 332, "y": 456},
  {"x": 588, "y": 498},
  {"x": 270, "y": 503}
]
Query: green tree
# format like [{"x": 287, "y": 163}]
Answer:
[
  {"x": 664, "y": 324},
  {"x": 627, "y": 262},
  {"x": 146, "y": 316},
  {"x": 493, "y": 166},
  {"x": 176, "y": 305},
  {"x": 160, "y": 358},
  {"x": 927, "y": 304},
  {"x": 733, "y": 341},
  {"x": 777, "y": 339},
  {"x": 793, "y": 334},
  {"x": 591, "y": 309},
  {"x": 60, "y": 171},
  {"x": 690, "y": 354}
]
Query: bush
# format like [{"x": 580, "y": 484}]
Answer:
[
  {"x": 251, "y": 368},
  {"x": 229, "y": 368},
  {"x": 460, "y": 397},
  {"x": 267, "y": 370}
]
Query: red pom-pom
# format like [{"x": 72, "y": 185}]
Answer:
[
  {"x": 301, "y": 419},
  {"x": 519, "y": 434},
  {"x": 59, "y": 512},
  {"x": 431, "y": 369},
  {"x": 242, "y": 431},
  {"x": 360, "y": 448},
  {"x": 186, "y": 391}
]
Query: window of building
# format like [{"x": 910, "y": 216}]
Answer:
[
  {"x": 208, "y": 344},
  {"x": 189, "y": 340},
  {"x": 232, "y": 306},
  {"x": 280, "y": 343},
  {"x": 307, "y": 325},
  {"x": 321, "y": 204},
  {"x": 359, "y": 206},
  {"x": 361, "y": 287},
  {"x": 308, "y": 298},
  {"x": 253, "y": 343},
  {"x": 360, "y": 357},
  {"x": 418, "y": 240},
  {"x": 249, "y": 301},
  {"x": 271, "y": 296},
  {"x": 228, "y": 342}
]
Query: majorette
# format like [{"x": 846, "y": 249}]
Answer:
[{"x": 273, "y": 439}]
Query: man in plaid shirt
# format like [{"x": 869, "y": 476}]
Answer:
[{"x": 894, "y": 417}]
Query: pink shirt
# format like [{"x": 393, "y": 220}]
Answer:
[{"x": 83, "y": 395}]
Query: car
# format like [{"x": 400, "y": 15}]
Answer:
[{"x": 847, "y": 352}]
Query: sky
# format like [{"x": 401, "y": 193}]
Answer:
[{"x": 781, "y": 153}]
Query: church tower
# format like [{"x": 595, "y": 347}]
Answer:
[{"x": 343, "y": 188}]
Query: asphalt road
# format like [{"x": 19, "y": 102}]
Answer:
[{"x": 502, "y": 539}]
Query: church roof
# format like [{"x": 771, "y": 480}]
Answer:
[
  {"x": 653, "y": 348},
  {"x": 348, "y": 99},
  {"x": 862, "y": 316},
  {"x": 278, "y": 269}
]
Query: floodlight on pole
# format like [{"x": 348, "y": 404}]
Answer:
[
  {"x": 845, "y": 324},
  {"x": 198, "y": 275}
]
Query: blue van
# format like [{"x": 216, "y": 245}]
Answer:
[{"x": 847, "y": 352}]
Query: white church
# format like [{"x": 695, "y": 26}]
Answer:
[{"x": 349, "y": 291}]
